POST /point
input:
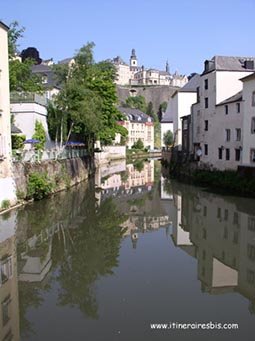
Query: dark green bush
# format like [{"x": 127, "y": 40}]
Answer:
[
  {"x": 18, "y": 141},
  {"x": 39, "y": 186}
]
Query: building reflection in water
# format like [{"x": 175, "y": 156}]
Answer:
[
  {"x": 9, "y": 309},
  {"x": 135, "y": 190},
  {"x": 220, "y": 233}
]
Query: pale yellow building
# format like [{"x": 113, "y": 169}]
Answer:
[
  {"x": 7, "y": 185},
  {"x": 139, "y": 126}
]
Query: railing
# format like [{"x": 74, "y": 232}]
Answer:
[
  {"x": 52, "y": 154},
  {"x": 23, "y": 97}
]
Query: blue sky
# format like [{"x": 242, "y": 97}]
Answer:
[{"x": 186, "y": 32}]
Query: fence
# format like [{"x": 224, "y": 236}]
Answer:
[{"x": 33, "y": 155}]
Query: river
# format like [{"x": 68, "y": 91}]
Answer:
[{"x": 109, "y": 259}]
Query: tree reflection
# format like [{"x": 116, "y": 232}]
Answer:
[{"x": 93, "y": 252}]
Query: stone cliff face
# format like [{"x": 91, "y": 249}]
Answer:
[{"x": 154, "y": 94}]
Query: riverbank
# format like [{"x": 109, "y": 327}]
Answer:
[
  {"x": 224, "y": 182},
  {"x": 34, "y": 181}
]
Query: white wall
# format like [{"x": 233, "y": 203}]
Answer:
[
  {"x": 249, "y": 112},
  {"x": 26, "y": 115}
]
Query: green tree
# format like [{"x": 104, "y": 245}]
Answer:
[
  {"x": 21, "y": 76},
  {"x": 149, "y": 110},
  {"x": 40, "y": 135},
  {"x": 138, "y": 144},
  {"x": 136, "y": 102},
  {"x": 88, "y": 99},
  {"x": 168, "y": 138}
]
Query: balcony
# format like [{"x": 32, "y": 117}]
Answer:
[{"x": 22, "y": 97}]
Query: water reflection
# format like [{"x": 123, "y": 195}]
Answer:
[
  {"x": 220, "y": 233},
  {"x": 56, "y": 253}
]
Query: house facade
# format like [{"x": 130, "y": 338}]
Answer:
[
  {"x": 179, "y": 105},
  {"x": 139, "y": 126},
  {"x": 217, "y": 115},
  {"x": 7, "y": 185},
  {"x": 248, "y": 153}
]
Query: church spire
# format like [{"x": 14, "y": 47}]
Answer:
[{"x": 167, "y": 67}]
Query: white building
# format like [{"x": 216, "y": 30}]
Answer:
[
  {"x": 215, "y": 116},
  {"x": 179, "y": 105},
  {"x": 7, "y": 185},
  {"x": 138, "y": 75},
  {"x": 27, "y": 109},
  {"x": 248, "y": 154},
  {"x": 139, "y": 126}
]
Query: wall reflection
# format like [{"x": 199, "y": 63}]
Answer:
[{"x": 220, "y": 233}]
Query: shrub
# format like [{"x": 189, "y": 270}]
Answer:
[
  {"x": 5, "y": 204},
  {"x": 40, "y": 135},
  {"x": 18, "y": 141},
  {"x": 138, "y": 145},
  {"x": 39, "y": 186}
]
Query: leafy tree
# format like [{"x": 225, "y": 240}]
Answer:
[
  {"x": 18, "y": 141},
  {"x": 21, "y": 76},
  {"x": 136, "y": 102},
  {"x": 40, "y": 135},
  {"x": 149, "y": 110},
  {"x": 88, "y": 99},
  {"x": 168, "y": 138},
  {"x": 138, "y": 144}
]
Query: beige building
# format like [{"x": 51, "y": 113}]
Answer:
[
  {"x": 8, "y": 191},
  {"x": 139, "y": 126},
  {"x": 133, "y": 74}
]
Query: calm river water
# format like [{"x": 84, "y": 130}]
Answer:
[{"x": 106, "y": 260}]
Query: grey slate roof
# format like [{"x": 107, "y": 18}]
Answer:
[
  {"x": 236, "y": 98},
  {"x": 192, "y": 84},
  {"x": 45, "y": 70},
  {"x": 247, "y": 78},
  {"x": 135, "y": 115},
  {"x": 15, "y": 130},
  {"x": 228, "y": 63},
  {"x": 4, "y": 26},
  {"x": 167, "y": 118},
  {"x": 65, "y": 61}
]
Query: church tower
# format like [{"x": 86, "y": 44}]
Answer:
[
  {"x": 133, "y": 61},
  {"x": 167, "y": 67}
]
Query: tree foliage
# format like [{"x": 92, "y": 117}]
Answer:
[
  {"x": 136, "y": 102},
  {"x": 168, "y": 138},
  {"x": 21, "y": 76},
  {"x": 40, "y": 135},
  {"x": 88, "y": 98}
]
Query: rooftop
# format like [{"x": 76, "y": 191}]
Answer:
[
  {"x": 248, "y": 78},
  {"x": 229, "y": 63},
  {"x": 135, "y": 115},
  {"x": 236, "y": 98}
]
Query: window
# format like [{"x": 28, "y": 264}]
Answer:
[
  {"x": 235, "y": 218},
  {"x": 238, "y": 108},
  {"x": 225, "y": 235},
  {"x": 251, "y": 252},
  {"x": 228, "y": 134},
  {"x": 206, "y": 149},
  {"x": 226, "y": 109},
  {"x": 220, "y": 150},
  {"x": 5, "y": 270},
  {"x": 198, "y": 95},
  {"x": 250, "y": 277},
  {"x": 238, "y": 134},
  {"x": 206, "y": 125},
  {"x": 204, "y": 254},
  {"x": 252, "y": 155},
  {"x": 206, "y": 102},
  {"x": 227, "y": 154},
  {"x": 253, "y": 99},
  {"x": 238, "y": 154},
  {"x": 204, "y": 233},
  {"x": 219, "y": 212},
  {"x": 205, "y": 211},
  {"x": 226, "y": 214},
  {"x": 253, "y": 125},
  {"x": 251, "y": 223},
  {"x": 206, "y": 84},
  {"x": 5, "y": 309},
  {"x": 235, "y": 237}
]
